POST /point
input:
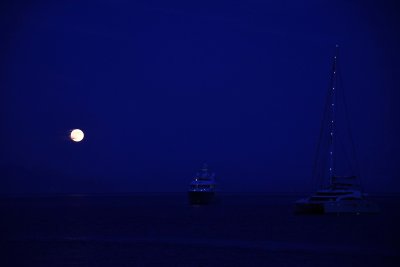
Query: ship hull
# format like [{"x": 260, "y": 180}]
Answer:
[
  {"x": 357, "y": 207},
  {"x": 309, "y": 208},
  {"x": 336, "y": 207},
  {"x": 201, "y": 197}
]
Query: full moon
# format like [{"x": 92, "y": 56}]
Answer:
[{"x": 77, "y": 135}]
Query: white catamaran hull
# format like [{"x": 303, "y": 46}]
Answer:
[{"x": 353, "y": 206}]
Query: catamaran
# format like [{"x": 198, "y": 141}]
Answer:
[{"x": 336, "y": 194}]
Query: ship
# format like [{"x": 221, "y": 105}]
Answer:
[
  {"x": 202, "y": 187},
  {"x": 337, "y": 193}
]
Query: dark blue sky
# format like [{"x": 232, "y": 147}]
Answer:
[{"x": 159, "y": 87}]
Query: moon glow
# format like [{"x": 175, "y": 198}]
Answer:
[{"x": 77, "y": 135}]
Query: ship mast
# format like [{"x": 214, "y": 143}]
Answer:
[{"x": 332, "y": 111}]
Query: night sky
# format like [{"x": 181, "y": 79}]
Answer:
[{"x": 160, "y": 87}]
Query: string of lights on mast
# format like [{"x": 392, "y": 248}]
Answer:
[{"x": 332, "y": 124}]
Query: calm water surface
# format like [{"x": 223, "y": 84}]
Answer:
[{"x": 163, "y": 230}]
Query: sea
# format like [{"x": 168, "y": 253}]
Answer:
[{"x": 162, "y": 229}]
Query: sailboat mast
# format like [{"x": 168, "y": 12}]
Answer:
[{"x": 333, "y": 108}]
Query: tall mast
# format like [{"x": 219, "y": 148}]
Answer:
[{"x": 332, "y": 122}]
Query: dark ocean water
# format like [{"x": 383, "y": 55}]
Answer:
[{"x": 163, "y": 230}]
